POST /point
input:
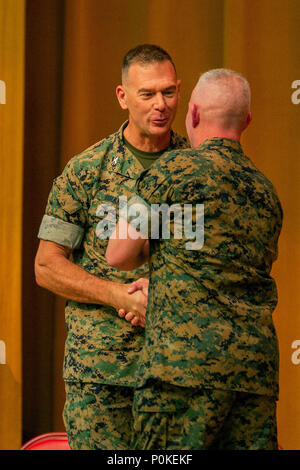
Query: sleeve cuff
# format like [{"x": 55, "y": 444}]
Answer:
[{"x": 61, "y": 232}]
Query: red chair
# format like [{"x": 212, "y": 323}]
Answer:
[{"x": 48, "y": 441}]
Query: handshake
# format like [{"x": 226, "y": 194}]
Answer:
[{"x": 134, "y": 302}]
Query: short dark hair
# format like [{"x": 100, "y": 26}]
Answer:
[{"x": 145, "y": 54}]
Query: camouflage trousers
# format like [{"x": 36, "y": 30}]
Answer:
[
  {"x": 98, "y": 416},
  {"x": 168, "y": 417}
]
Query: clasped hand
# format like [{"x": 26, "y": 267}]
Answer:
[{"x": 136, "y": 313}]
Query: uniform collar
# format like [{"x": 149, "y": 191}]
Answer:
[
  {"x": 122, "y": 160},
  {"x": 221, "y": 142}
]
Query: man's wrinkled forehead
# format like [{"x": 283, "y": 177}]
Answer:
[{"x": 127, "y": 72}]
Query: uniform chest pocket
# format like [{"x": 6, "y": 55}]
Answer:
[
  {"x": 74, "y": 212},
  {"x": 107, "y": 205},
  {"x": 68, "y": 203}
]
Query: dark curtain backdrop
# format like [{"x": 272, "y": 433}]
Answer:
[
  {"x": 42, "y": 162},
  {"x": 74, "y": 50}
]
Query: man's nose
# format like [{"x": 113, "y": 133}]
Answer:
[{"x": 159, "y": 102}]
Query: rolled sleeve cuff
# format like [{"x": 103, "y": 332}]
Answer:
[{"x": 61, "y": 232}]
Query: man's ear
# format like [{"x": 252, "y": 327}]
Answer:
[
  {"x": 195, "y": 116},
  {"x": 121, "y": 95},
  {"x": 248, "y": 120}
]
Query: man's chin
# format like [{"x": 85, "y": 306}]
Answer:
[{"x": 160, "y": 128}]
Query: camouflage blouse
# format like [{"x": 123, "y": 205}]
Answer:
[
  {"x": 100, "y": 346},
  {"x": 211, "y": 295}
]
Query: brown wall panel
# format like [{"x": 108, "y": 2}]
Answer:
[{"x": 260, "y": 41}]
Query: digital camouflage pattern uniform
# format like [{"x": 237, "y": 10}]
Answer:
[
  {"x": 209, "y": 329},
  {"x": 101, "y": 349}
]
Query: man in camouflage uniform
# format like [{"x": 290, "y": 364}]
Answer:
[
  {"x": 102, "y": 348},
  {"x": 208, "y": 375}
]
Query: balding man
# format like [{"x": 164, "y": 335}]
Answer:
[{"x": 208, "y": 375}]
